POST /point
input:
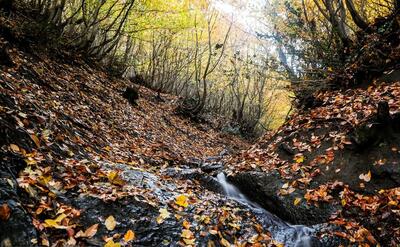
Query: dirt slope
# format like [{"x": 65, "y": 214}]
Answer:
[{"x": 337, "y": 162}]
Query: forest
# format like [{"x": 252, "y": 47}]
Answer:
[{"x": 199, "y": 123}]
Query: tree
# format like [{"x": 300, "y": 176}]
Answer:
[{"x": 210, "y": 65}]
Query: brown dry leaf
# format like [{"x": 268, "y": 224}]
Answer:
[
  {"x": 5, "y": 212},
  {"x": 91, "y": 231},
  {"x": 14, "y": 148},
  {"x": 36, "y": 140}
]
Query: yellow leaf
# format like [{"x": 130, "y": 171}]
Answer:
[
  {"x": 110, "y": 223},
  {"x": 234, "y": 225},
  {"x": 129, "y": 236},
  {"x": 186, "y": 224},
  {"x": 112, "y": 244},
  {"x": 164, "y": 214},
  {"x": 114, "y": 178},
  {"x": 392, "y": 203},
  {"x": 52, "y": 223},
  {"x": 299, "y": 159},
  {"x": 30, "y": 161},
  {"x": 297, "y": 201},
  {"x": 14, "y": 147},
  {"x": 225, "y": 242},
  {"x": 189, "y": 241},
  {"x": 60, "y": 218},
  {"x": 277, "y": 244},
  {"x": 343, "y": 202},
  {"x": 44, "y": 179},
  {"x": 45, "y": 242},
  {"x": 182, "y": 200},
  {"x": 205, "y": 219},
  {"x": 187, "y": 234}
]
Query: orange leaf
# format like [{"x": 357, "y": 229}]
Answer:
[
  {"x": 5, "y": 212},
  {"x": 129, "y": 236}
]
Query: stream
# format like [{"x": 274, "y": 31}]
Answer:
[
  {"x": 150, "y": 233},
  {"x": 283, "y": 232}
]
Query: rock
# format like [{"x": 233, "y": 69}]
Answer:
[
  {"x": 224, "y": 152},
  {"x": 326, "y": 230},
  {"x": 263, "y": 189},
  {"x": 383, "y": 114},
  {"x": 286, "y": 148},
  {"x": 130, "y": 215},
  {"x": 17, "y": 230},
  {"x": 131, "y": 94},
  {"x": 212, "y": 167},
  {"x": 143, "y": 179},
  {"x": 5, "y": 57},
  {"x": 379, "y": 128}
]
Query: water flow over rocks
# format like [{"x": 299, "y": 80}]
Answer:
[{"x": 290, "y": 235}]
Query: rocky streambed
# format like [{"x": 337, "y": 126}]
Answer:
[{"x": 221, "y": 214}]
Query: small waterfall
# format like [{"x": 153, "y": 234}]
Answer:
[
  {"x": 229, "y": 189},
  {"x": 290, "y": 235}
]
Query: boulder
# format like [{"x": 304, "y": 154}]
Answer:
[
  {"x": 16, "y": 228},
  {"x": 5, "y": 57},
  {"x": 131, "y": 94},
  {"x": 263, "y": 189}
]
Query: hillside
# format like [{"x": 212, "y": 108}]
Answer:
[{"x": 337, "y": 162}]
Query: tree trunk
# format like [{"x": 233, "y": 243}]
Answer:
[
  {"x": 358, "y": 20},
  {"x": 338, "y": 23}
]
